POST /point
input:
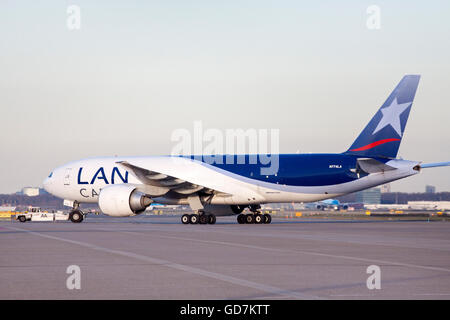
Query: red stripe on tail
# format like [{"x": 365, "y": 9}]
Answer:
[{"x": 374, "y": 144}]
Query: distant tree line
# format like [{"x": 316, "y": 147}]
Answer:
[{"x": 401, "y": 197}]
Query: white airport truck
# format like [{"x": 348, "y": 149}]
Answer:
[{"x": 36, "y": 214}]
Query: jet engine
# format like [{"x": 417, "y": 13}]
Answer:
[{"x": 123, "y": 200}]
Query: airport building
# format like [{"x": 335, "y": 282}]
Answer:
[
  {"x": 369, "y": 196},
  {"x": 430, "y": 189},
  {"x": 412, "y": 205},
  {"x": 386, "y": 188},
  {"x": 30, "y": 191},
  {"x": 429, "y": 205}
]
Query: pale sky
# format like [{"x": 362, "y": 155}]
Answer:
[{"x": 136, "y": 71}]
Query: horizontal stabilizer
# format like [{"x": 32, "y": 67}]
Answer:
[{"x": 370, "y": 165}]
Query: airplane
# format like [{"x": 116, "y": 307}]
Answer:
[
  {"x": 332, "y": 204},
  {"x": 126, "y": 186}
]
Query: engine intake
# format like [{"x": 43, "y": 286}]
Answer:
[{"x": 123, "y": 200}]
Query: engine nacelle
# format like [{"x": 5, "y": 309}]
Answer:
[{"x": 122, "y": 200}]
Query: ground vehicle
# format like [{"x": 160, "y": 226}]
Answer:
[{"x": 36, "y": 214}]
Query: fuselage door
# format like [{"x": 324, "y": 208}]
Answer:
[{"x": 67, "y": 176}]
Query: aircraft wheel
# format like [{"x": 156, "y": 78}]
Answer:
[
  {"x": 203, "y": 219},
  {"x": 267, "y": 218},
  {"x": 249, "y": 218},
  {"x": 185, "y": 219},
  {"x": 241, "y": 218},
  {"x": 76, "y": 216},
  {"x": 193, "y": 219},
  {"x": 211, "y": 219},
  {"x": 259, "y": 218}
]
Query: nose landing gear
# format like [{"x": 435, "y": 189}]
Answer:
[{"x": 76, "y": 215}]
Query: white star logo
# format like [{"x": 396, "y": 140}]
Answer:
[{"x": 391, "y": 116}]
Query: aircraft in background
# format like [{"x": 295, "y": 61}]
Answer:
[
  {"x": 126, "y": 186},
  {"x": 328, "y": 204}
]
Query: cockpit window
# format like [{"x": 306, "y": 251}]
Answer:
[{"x": 50, "y": 175}]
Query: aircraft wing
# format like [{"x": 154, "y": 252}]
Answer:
[{"x": 163, "y": 183}]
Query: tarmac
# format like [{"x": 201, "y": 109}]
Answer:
[{"x": 156, "y": 257}]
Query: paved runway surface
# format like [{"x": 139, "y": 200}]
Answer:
[{"x": 158, "y": 258}]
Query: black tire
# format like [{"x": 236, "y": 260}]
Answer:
[
  {"x": 211, "y": 219},
  {"x": 193, "y": 219},
  {"x": 258, "y": 218},
  {"x": 241, "y": 218},
  {"x": 22, "y": 219},
  {"x": 249, "y": 218},
  {"x": 267, "y": 218},
  {"x": 76, "y": 216},
  {"x": 203, "y": 219},
  {"x": 185, "y": 219}
]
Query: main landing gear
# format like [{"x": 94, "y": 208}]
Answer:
[
  {"x": 198, "y": 218},
  {"x": 76, "y": 215},
  {"x": 255, "y": 217}
]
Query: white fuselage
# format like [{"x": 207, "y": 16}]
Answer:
[{"x": 83, "y": 180}]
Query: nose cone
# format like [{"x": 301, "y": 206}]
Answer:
[{"x": 48, "y": 183}]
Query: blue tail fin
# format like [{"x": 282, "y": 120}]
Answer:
[{"x": 383, "y": 134}]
